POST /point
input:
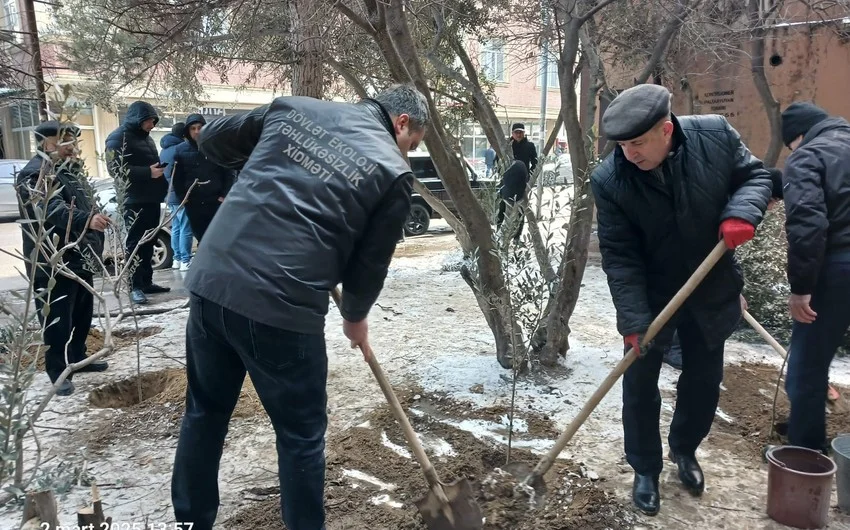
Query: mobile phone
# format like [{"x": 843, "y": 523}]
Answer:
[{"x": 161, "y": 164}]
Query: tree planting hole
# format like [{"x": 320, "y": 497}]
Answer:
[
  {"x": 125, "y": 393},
  {"x": 775, "y": 60}
]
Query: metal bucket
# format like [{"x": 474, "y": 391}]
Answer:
[
  {"x": 799, "y": 486},
  {"x": 841, "y": 452}
]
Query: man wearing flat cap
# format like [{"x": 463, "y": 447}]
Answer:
[
  {"x": 670, "y": 189},
  {"x": 52, "y": 181},
  {"x": 817, "y": 208},
  {"x": 523, "y": 149}
]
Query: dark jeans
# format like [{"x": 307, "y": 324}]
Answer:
[
  {"x": 812, "y": 348},
  {"x": 72, "y": 305},
  {"x": 289, "y": 371},
  {"x": 697, "y": 394},
  {"x": 518, "y": 206},
  {"x": 147, "y": 216},
  {"x": 200, "y": 217}
]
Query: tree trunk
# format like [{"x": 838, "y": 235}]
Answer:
[
  {"x": 308, "y": 70},
  {"x": 40, "y": 507},
  {"x": 93, "y": 515},
  {"x": 771, "y": 106}
]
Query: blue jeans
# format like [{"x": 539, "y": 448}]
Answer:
[
  {"x": 181, "y": 235},
  {"x": 289, "y": 371},
  {"x": 812, "y": 348}
]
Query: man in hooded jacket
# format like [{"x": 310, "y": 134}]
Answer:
[
  {"x": 512, "y": 193},
  {"x": 55, "y": 168},
  {"x": 132, "y": 155},
  {"x": 181, "y": 232},
  {"x": 817, "y": 207},
  {"x": 214, "y": 181}
]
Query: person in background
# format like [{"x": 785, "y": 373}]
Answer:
[
  {"x": 490, "y": 159},
  {"x": 181, "y": 232},
  {"x": 523, "y": 149},
  {"x": 132, "y": 155},
  {"x": 214, "y": 181},
  {"x": 817, "y": 223},
  {"x": 71, "y": 304},
  {"x": 512, "y": 193}
]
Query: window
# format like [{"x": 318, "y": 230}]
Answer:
[
  {"x": 11, "y": 19},
  {"x": 551, "y": 71},
  {"x": 493, "y": 60}
]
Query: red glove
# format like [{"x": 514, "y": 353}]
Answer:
[
  {"x": 736, "y": 232},
  {"x": 633, "y": 341}
]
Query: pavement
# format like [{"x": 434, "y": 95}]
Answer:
[{"x": 11, "y": 281}]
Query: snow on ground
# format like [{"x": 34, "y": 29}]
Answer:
[{"x": 429, "y": 334}]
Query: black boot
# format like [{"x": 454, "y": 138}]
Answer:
[
  {"x": 689, "y": 472},
  {"x": 66, "y": 388},
  {"x": 155, "y": 289},
  {"x": 96, "y": 366},
  {"x": 645, "y": 494}
]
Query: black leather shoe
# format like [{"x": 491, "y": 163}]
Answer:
[
  {"x": 689, "y": 472},
  {"x": 155, "y": 289},
  {"x": 66, "y": 388},
  {"x": 645, "y": 494},
  {"x": 138, "y": 297},
  {"x": 97, "y": 366}
]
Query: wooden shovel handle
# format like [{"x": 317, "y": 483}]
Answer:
[
  {"x": 659, "y": 322},
  {"x": 401, "y": 417},
  {"x": 765, "y": 335}
]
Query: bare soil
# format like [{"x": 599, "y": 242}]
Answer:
[
  {"x": 572, "y": 502},
  {"x": 748, "y": 400}
]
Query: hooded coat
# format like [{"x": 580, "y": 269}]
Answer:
[
  {"x": 190, "y": 164},
  {"x": 169, "y": 145},
  {"x": 131, "y": 152}
]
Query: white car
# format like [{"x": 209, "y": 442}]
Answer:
[
  {"x": 162, "y": 252},
  {"x": 558, "y": 170},
  {"x": 8, "y": 196}
]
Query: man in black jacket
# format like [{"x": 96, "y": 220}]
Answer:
[
  {"x": 669, "y": 190},
  {"x": 817, "y": 208},
  {"x": 214, "y": 181},
  {"x": 53, "y": 182},
  {"x": 522, "y": 148},
  {"x": 323, "y": 193},
  {"x": 132, "y": 156},
  {"x": 512, "y": 192}
]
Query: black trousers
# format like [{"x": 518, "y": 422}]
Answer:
[
  {"x": 518, "y": 206},
  {"x": 697, "y": 394},
  {"x": 200, "y": 217},
  {"x": 289, "y": 370},
  {"x": 140, "y": 218},
  {"x": 71, "y": 307}
]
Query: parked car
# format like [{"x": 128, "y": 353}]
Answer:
[
  {"x": 421, "y": 212},
  {"x": 558, "y": 170},
  {"x": 162, "y": 252},
  {"x": 8, "y": 196}
]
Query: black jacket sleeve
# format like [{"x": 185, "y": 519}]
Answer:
[
  {"x": 806, "y": 222},
  {"x": 229, "y": 141},
  {"x": 623, "y": 263},
  {"x": 179, "y": 175},
  {"x": 532, "y": 160},
  {"x": 750, "y": 186},
  {"x": 117, "y": 156},
  {"x": 363, "y": 278}
]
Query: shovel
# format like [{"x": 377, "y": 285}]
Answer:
[
  {"x": 534, "y": 479},
  {"x": 447, "y": 506}
]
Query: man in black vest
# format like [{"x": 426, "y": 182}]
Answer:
[
  {"x": 670, "y": 189},
  {"x": 132, "y": 155},
  {"x": 322, "y": 195},
  {"x": 55, "y": 168}
]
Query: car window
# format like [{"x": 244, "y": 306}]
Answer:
[{"x": 423, "y": 168}]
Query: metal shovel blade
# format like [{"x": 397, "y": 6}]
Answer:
[{"x": 462, "y": 512}]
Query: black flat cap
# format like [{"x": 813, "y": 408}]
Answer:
[
  {"x": 53, "y": 127},
  {"x": 635, "y": 111},
  {"x": 518, "y": 127}
]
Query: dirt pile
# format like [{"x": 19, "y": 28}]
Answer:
[
  {"x": 373, "y": 481},
  {"x": 748, "y": 401}
]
